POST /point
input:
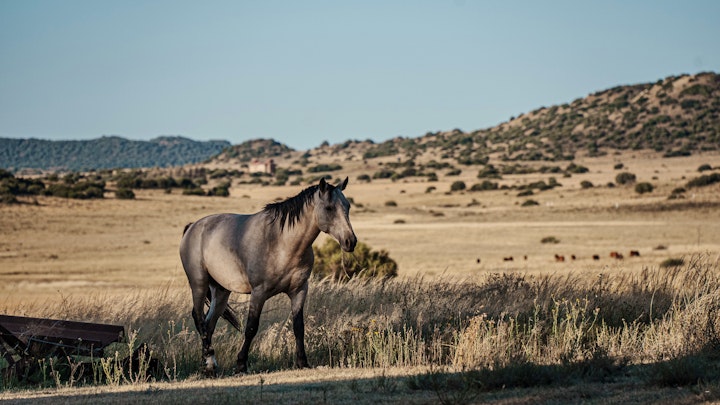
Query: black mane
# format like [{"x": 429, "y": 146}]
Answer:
[{"x": 290, "y": 210}]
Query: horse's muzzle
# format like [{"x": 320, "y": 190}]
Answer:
[{"x": 348, "y": 244}]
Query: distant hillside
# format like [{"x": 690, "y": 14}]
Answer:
[
  {"x": 254, "y": 148},
  {"x": 104, "y": 153},
  {"x": 677, "y": 116}
]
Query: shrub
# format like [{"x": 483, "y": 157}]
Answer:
[
  {"x": 364, "y": 177},
  {"x": 704, "y": 167},
  {"x": 457, "y": 186},
  {"x": 625, "y": 178},
  {"x": 124, "y": 194},
  {"x": 454, "y": 172},
  {"x": 390, "y": 203},
  {"x": 644, "y": 187},
  {"x": 383, "y": 174},
  {"x": 618, "y": 166},
  {"x": 586, "y": 184},
  {"x": 672, "y": 262},
  {"x": 704, "y": 180},
  {"x": 525, "y": 193},
  {"x": 325, "y": 168},
  {"x": 489, "y": 172},
  {"x": 550, "y": 239},
  {"x": 484, "y": 186},
  {"x": 332, "y": 262},
  {"x": 430, "y": 189},
  {"x": 530, "y": 203},
  {"x": 193, "y": 191},
  {"x": 576, "y": 169},
  {"x": 222, "y": 190}
]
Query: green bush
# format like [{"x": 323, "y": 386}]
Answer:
[
  {"x": 124, "y": 194},
  {"x": 383, "y": 174},
  {"x": 530, "y": 203},
  {"x": 672, "y": 262},
  {"x": 550, "y": 239},
  {"x": 704, "y": 180},
  {"x": 486, "y": 185},
  {"x": 332, "y": 262},
  {"x": 325, "y": 168},
  {"x": 457, "y": 186},
  {"x": 576, "y": 169},
  {"x": 364, "y": 177},
  {"x": 704, "y": 168},
  {"x": 586, "y": 184},
  {"x": 489, "y": 172},
  {"x": 644, "y": 187},
  {"x": 194, "y": 191},
  {"x": 625, "y": 178}
]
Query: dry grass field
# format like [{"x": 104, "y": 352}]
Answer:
[{"x": 103, "y": 260}]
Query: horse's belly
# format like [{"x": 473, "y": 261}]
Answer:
[{"x": 229, "y": 274}]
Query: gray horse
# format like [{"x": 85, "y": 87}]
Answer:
[{"x": 262, "y": 254}]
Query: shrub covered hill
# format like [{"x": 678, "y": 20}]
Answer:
[
  {"x": 676, "y": 116},
  {"x": 105, "y": 153}
]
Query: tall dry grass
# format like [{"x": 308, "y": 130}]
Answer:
[{"x": 500, "y": 322}]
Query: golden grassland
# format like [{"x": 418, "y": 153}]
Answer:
[
  {"x": 418, "y": 339},
  {"x": 64, "y": 247}
]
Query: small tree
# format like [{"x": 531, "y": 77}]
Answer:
[
  {"x": 644, "y": 187},
  {"x": 457, "y": 186},
  {"x": 625, "y": 178}
]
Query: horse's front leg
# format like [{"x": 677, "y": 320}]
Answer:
[
  {"x": 251, "y": 328},
  {"x": 297, "y": 301}
]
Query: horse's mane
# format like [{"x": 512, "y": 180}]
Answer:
[{"x": 290, "y": 209}]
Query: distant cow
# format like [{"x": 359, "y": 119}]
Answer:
[
  {"x": 616, "y": 255},
  {"x": 596, "y": 257},
  {"x": 634, "y": 253},
  {"x": 573, "y": 257},
  {"x": 559, "y": 258},
  {"x": 508, "y": 259}
]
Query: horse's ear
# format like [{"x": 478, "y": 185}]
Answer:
[
  {"x": 323, "y": 186},
  {"x": 344, "y": 184}
]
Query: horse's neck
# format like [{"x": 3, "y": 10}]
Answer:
[{"x": 303, "y": 233}]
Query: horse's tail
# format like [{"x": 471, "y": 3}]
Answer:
[
  {"x": 186, "y": 228},
  {"x": 231, "y": 316},
  {"x": 228, "y": 314}
]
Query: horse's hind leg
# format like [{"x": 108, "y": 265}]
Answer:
[
  {"x": 218, "y": 302},
  {"x": 199, "y": 292}
]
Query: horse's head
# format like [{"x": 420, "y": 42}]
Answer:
[{"x": 332, "y": 211}]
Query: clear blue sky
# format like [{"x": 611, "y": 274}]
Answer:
[{"x": 307, "y": 71}]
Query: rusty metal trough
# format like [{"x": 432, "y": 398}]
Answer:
[{"x": 23, "y": 339}]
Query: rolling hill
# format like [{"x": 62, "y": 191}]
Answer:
[
  {"x": 104, "y": 153},
  {"x": 676, "y": 116}
]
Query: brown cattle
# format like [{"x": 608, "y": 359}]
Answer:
[
  {"x": 508, "y": 259},
  {"x": 596, "y": 257},
  {"x": 634, "y": 253},
  {"x": 573, "y": 257},
  {"x": 559, "y": 258},
  {"x": 616, "y": 255}
]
